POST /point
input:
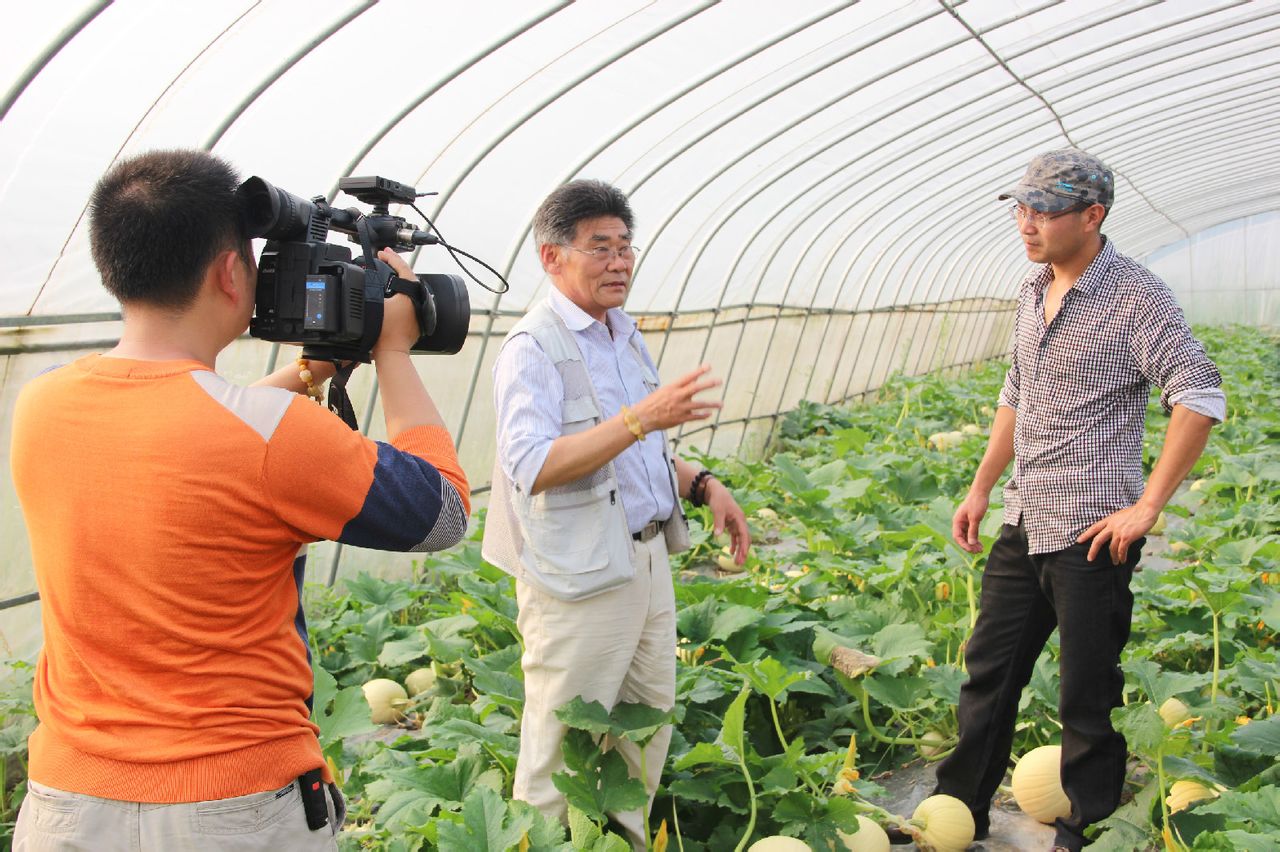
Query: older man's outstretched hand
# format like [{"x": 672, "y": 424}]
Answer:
[{"x": 675, "y": 403}]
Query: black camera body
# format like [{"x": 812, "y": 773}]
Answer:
[{"x": 311, "y": 292}]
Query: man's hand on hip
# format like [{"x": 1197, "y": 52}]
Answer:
[
  {"x": 964, "y": 525},
  {"x": 1120, "y": 529},
  {"x": 674, "y": 403}
]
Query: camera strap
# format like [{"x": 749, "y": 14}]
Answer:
[{"x": 339, "y": 399}]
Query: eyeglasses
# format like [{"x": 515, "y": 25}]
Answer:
[
  {"x": 604, "y": 254},
  {"x": 1020, "y": 214}
]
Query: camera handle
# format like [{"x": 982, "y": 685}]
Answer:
[
  {"x": 339, "y": 399},
  {"x": 421, "y": 296}
]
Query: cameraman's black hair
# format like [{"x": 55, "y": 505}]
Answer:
[
  {"x": 158, "y": 220},
  {"x": 556, "y": 221}
]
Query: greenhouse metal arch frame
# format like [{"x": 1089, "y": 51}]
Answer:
[{"x": 815, "y": 194}]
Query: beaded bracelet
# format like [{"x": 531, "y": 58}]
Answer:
[
  {"x": 696, "y": 497},
  {"x": 315, "y": 392},
  {"x": 633, "y": 423}
]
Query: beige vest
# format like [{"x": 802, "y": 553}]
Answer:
[{"x": 571, "y": 541}]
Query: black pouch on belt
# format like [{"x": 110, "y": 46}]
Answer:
[{"x": 313, "y": 803}]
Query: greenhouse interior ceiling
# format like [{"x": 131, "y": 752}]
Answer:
[{"x": 815, "y": 183}]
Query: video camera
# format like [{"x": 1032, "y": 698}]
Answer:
[{"x": 310, "y": 292}]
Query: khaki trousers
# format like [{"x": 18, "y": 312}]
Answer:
[
  {"x": 52, "y": 819},
  {"x": 618, "y": 646}
]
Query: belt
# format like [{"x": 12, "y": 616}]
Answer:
[{"x": 650, "y": 530}]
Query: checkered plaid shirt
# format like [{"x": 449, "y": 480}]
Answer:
[{"x": 1080, "y": 388}]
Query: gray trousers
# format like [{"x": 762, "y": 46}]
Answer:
[
  {"x": 52, "y": 819},
  {"x": 618, "y": 646}
]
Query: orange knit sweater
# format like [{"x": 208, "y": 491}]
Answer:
[{"x": 168, "y": 512}]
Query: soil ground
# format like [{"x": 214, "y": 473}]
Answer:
[{"x": 1011, "y": 829}]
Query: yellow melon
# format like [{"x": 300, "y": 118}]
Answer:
[
  {"x": 387, "y": 699},
  {"x": 869, "y": 837},
  {"x": 1037, "y": 784},
  {"x": 1183, "y": 794},
  {"x": 945, "y": 824},
  {"x": 779, "y": 843}
]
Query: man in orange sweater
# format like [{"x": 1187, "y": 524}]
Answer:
[{"x": 169, "y": 513}]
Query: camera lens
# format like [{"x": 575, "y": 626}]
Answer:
[
  {"x": 272, "y": 213},
  {"x": 449, "y": 306}
]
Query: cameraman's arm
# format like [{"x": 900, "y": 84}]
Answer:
[
  {"x": 289, "y": 376},
  {"x": 405, "y": 401},
  {"x": 326, "y": 481},
  {"x": 413, "y": 422}
]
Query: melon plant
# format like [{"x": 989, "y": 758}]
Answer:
[
  {"x": 943, "y": 824},
  {"x": 870, "y": 837},
  {"x": 387, "y": 700},
  {"x": 1037, "y": 784}
]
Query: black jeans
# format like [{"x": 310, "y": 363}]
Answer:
[{"x": 1024, "y": 598}]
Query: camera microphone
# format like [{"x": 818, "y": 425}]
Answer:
[{"x": 412, "y": 236}]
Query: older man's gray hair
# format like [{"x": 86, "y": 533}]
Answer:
[{"x": 556, "y": 221}]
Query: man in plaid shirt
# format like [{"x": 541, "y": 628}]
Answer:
[{"x": 1094, "y": 332}]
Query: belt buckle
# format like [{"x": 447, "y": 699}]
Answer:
[{"x": 649, "y": 530}]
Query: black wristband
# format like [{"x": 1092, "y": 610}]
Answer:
[{"x": 695, "y": 498}]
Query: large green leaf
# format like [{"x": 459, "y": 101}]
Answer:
[
  {"x": 1270, "y": 614},
  {"x": 898, "y": 641},
  {"x": 586, "y": 716},
  {"x": 695, "y": 622},
  {"x": 770, "y": 676},
  {"x": 340, "y": 713},
  {"x": 597, "y": 782},
  {"x": 421, "y": 789},
  {"x": 377, "y": 592},
  {"x": 731, "y": 734},
  {"x": 366, "y": 644},
  {"x": 546, "y": 834},
  {"x": 1158, "y": 684},
  {"x": 496, "y": 675},
  {"x": 1261, "y": 809},
  {"x": 399, "y": 652},
  {"x": 486, "y": 824},
  {"x": 1261, "y": 736},
  {"x": 638, "y": 723},
  {"x": 583, "y": 830},
  {"x": 459, "y": 732},
  {"x": 1129, "y": 828},
  {"x": 1234, "y": 841},
  {"x": 706, "y": 753},
  {"x": 903, "y": 692},
  {"x": 1180, "y": 767},
  {"x": 1142, "y": 727}
]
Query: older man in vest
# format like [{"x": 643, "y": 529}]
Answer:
[{"x": 586, "y": 491}]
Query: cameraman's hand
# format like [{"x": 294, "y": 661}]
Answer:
[
  {"x": 673, "y": 404},
  {"x": 405, "y": 402},
  {"x": 399, "y": 313}
]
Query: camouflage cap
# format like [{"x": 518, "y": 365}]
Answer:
[{"x": 1063, "y": 179}]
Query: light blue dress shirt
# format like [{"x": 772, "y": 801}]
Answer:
[{"x": 528, "y": 392}]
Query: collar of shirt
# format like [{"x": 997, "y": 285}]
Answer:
[
  {"x": 1088, "y": 282},
  {"x": 576, "y": 319}
]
